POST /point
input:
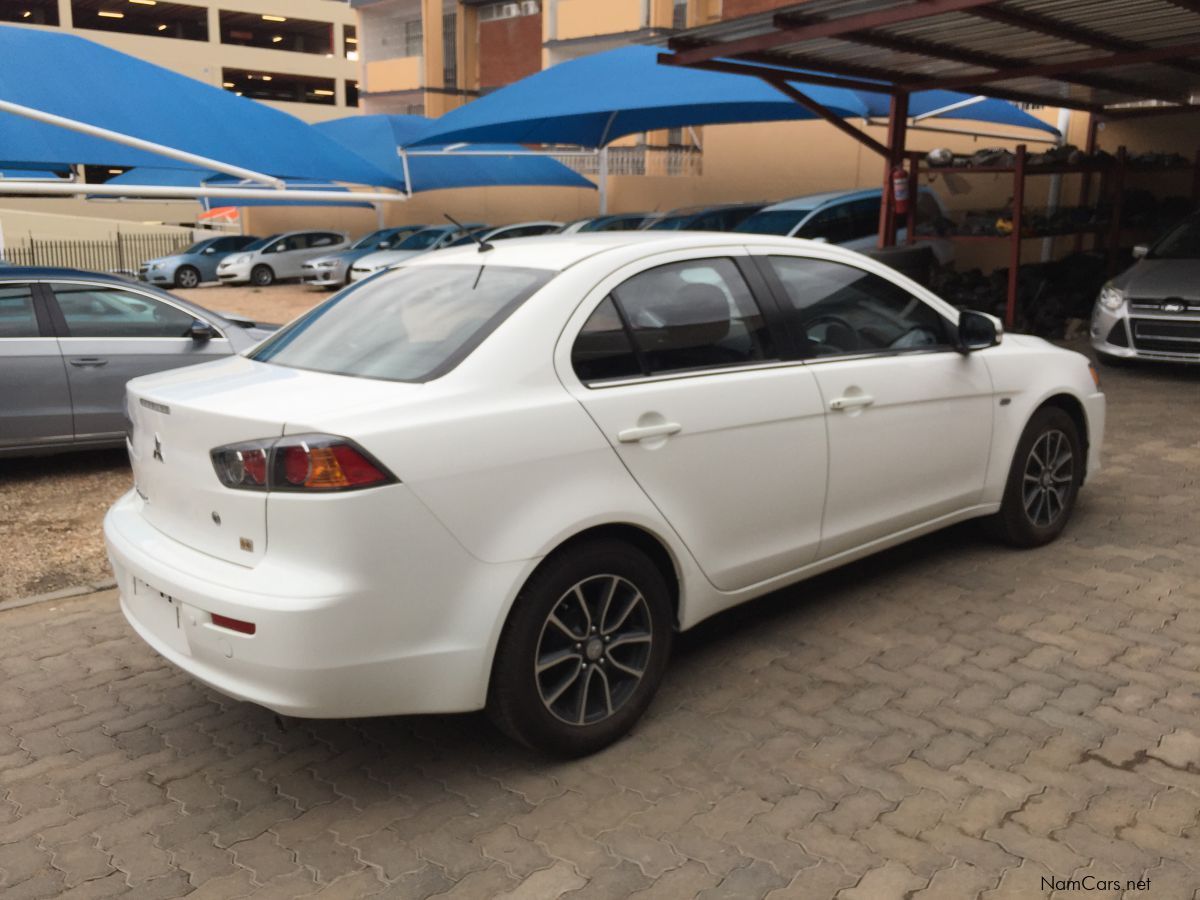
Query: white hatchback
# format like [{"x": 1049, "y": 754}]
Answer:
[{"x": 505, "y": 478}]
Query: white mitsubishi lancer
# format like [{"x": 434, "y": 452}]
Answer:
[{"x": 505, "y": 477}]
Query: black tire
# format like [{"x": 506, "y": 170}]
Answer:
[
  {"x": 187, "y": 277},
  {"x": 1043, "y": 481},
  {"x": 262, "y": 276},
  {"x": 534, "y": 708}
]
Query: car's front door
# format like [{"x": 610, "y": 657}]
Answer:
[
  {"x": 909, "y": 418},
  {"x": 35, "y": 402},
  {"x": 678, "y": 366},
  {"x": 109, "y": 335}
]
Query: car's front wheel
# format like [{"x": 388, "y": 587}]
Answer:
[
  {"x": 262, "y": 276},
  {"x": 187, "y": 277},
  {"x": 584, "y": 649},
  {"x": 1043, "y": 481}
]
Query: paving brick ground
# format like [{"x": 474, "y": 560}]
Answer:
[{"x": 950, "y": 720}]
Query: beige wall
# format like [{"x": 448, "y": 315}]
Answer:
[
  {"x": 19, "y": 224},
  {"x": 404, "y": 73},
  {"x": 586, "y": 18}
]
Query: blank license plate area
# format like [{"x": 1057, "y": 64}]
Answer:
[{"x": 161, "y": 613}]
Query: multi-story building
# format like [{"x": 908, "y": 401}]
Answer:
[{"x": 299, "y": 55}]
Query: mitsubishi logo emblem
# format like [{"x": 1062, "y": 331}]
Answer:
[{"x": 158, "y": 448}]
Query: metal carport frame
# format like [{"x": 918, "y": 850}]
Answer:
[{"x": 1113, "y": 59}]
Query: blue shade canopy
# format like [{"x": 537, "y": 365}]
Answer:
[
  {"x": 154, "y": 177},
  {"x": 377, "y": 138},
  {"x": 76, "y": 78},
  {"x": 595, "y": 99}
]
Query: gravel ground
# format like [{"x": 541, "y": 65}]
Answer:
[{"x": 51, "y": 507}]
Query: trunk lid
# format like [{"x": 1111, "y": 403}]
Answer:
[{"x": 177, "y": 418}]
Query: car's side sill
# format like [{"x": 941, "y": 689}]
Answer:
[{"x": 715, "y": 601}]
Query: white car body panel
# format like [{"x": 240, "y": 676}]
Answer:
[{"x": 392, "y": 599}]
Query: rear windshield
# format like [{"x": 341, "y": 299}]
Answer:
[
  {"x": 779, "y": 221},
  {"x": 413, "y": 324},
  {"x": 420, "y": 240}
]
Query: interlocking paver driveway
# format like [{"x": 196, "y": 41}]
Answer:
[{"x": 952, "y": 719}]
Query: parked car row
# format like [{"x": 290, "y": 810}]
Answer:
[{"x": 327, "y": 259}]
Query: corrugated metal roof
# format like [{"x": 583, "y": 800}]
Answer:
[{"x": 1092, "y": 54}]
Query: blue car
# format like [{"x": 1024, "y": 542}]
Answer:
[{"x": 195, "y": 265}]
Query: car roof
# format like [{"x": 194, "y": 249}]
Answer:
[
  {"x": 558, "y": 252},
  {"x": 21, "y": 273},
  {"x": 813, "y": 201},
  {"x": 16, "y": 272}
]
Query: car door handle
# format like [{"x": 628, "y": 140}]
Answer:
[
  {"x": 852, "y": 401},
  {"x": 89, "y": 362},
  {"x": 633, "y": 435}
]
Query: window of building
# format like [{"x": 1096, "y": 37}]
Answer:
[
  {"x": 450, "y": 50},
  {"x": 350, "y": 42},
  {"x": 509, "y": 10},
  {"x": 352, "y": 93},
  {"x": 30, "y": 12},
  {"x": 679, "y": 14},
  {"x": 280, "y": 87},
  {"x": 276, "y": 32},
  {"x": 387, "y": 36},
  {"x": 173, "y": 20}
]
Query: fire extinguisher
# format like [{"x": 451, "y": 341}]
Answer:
[{"x": 900, "y": 190}]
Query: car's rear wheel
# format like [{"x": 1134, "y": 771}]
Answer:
[
  {"x": 187, "y": 277},
  {"x": 262, "y": 276},
  {"x": 1043, "y": 481},
  {"x": 584, "y": 649}
]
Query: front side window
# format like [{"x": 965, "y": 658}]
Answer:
[
  {"x": 414, "y": 324},
  {"x": 865, "y": 213},
  {"x": 697, "y": 314},
  {"x": 102, "y": 312},
  {"x": 323, "y": 240},
  {"x": 836, "y": 309},
  {"x": 17, "y": 318}
]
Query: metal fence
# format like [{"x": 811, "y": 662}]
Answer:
[
  {"x": 122, "y": 253},
  {"x": 641, "y": 160}
]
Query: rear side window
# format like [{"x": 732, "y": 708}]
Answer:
[
  {"x": 865, "y": 214},
  {"x": 690, "y": 315},
  {"x": 414, "y": 324},
  {"x": 603, "y": 349},
  {"x": 837, "y": 310},
  {"x": 17, "y": 319}
]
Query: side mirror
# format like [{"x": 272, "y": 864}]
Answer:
[
  {"x": 208, "y": 251},
  {"x": 1141, "y": 251},
  {"x": 976, "y": 331},
  {"x": 201, "y": 331},
  {"x": 383, "y": 245}
]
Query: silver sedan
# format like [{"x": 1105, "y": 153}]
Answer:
[{"x": 70, "y": 340}]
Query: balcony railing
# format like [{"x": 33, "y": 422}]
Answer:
[{"x": 641, "y": 160}]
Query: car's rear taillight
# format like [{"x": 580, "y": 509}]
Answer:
[{"x": 304, "y": 462}]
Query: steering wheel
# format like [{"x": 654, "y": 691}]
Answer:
[{"x": 845, "y": 331}]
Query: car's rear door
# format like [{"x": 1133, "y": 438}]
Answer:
[
  {"x": 35, "y": 399},
  {"x": 909, "y": 418},
  {"x": 679, "y": 367},
  {"x": 110, "y": 334}
]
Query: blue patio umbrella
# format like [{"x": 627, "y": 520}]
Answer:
[
  {"x": 379, "y": 138},
  {"x": 107, "y": 89},
  {"x": 596, "y": 99}
]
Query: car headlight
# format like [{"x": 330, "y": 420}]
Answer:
[
  {"x": 1112, "y": 298},
  {"x": 154, "y": 267}
]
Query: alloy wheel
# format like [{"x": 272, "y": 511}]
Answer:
[
  {"x": 1049, "y": 472},
  {"x": 188, "y": 278},
  {"x": 593, "y": 649}
]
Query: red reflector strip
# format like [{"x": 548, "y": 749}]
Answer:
[{"x": 234, "y": 624}]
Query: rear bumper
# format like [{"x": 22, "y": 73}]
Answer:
[{"x": 408, "y": 627}]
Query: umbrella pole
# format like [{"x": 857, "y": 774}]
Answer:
[{"x": 602, "y": 178}]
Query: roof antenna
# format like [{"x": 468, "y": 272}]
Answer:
[{"x": 484, "y": 246}]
